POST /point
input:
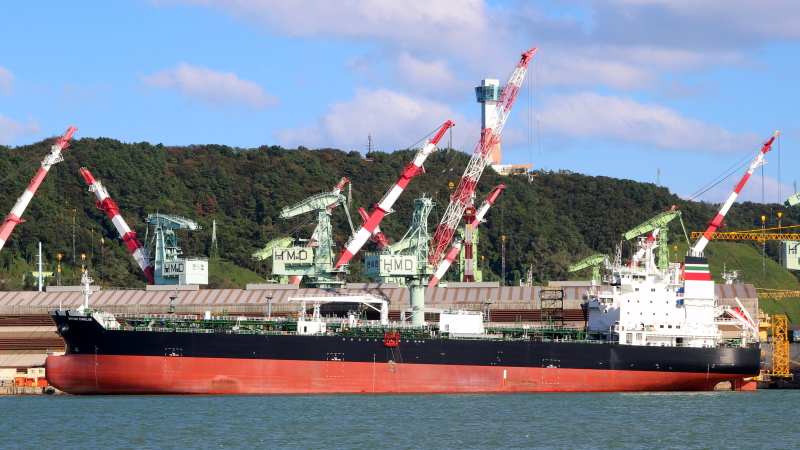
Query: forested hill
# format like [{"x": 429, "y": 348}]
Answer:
[{"x": 550, "y": 220}]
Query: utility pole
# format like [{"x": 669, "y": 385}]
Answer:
[
  {"x": 780, "y": 253},
  {"x": 73, "y": 211},
  {"x": 503, "y": 260},
  {"x": 763, "y": 248}
]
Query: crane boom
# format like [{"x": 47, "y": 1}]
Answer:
[
  {"x": 447, "y": 261},
  {"x": 413, "y": 169},
  {"x": 649, "y": 225},
  {"x": 480, "y": 159},
  {"x": 108, "y": 205},
  {"x": 716, "y": 223},
  {"x": 377, "y": 236},
  {"x": 748, "y": 236},
  {"x": 15, "y": 216}
]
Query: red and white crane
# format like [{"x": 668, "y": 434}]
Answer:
[
  {"x": 476, "y": 220},
  {"x": 15, "y": 216},
  {"x": 108, "y": 205},
  {"x": 716, "y": 223},
  {"x": 480, "y": 159},
  {"x": 377, "y": 236},
  {"x": 413, "y": 169}
]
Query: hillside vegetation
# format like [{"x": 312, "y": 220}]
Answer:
[{"x": 550, "y": 222}]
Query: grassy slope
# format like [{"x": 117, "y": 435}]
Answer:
[{"x": 223, "y": 274}]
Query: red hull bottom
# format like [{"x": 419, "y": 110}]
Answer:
[{"x": 103, "y": 374}]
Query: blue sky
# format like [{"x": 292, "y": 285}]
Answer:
[{"x": 621, "y": 88}]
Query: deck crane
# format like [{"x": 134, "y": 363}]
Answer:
[
  {"x": 696, "y": 276},
  {"x": 473, "y": 221},
  {"x": 15, "y": 216},
  {"x": 413, "y": 169},
  {"x": 654, "y": 226},
  {"x": 108, "y": 205},
  {"x": 481, "y": 158},
  {"x": 316, "y": 260},
  {"x": 170, "y": 266}
]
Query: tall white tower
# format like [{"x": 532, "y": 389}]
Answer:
[{"x": 487, "y": 94}]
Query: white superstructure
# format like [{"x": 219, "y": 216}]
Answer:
[{"x": 642, "y": 305}]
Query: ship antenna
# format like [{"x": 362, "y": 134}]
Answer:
[{"x": 86, "y": 281}]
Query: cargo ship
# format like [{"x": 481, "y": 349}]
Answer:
[{"x": 643, "y": 334}]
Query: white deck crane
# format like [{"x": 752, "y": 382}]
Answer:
[
  {"x": 15, "y": 216},
  {"x": 481, "y": 158},
  {"x": 413, "y": 169}
]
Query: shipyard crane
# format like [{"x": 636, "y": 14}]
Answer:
[
  {"x": 268, "y": 249},
  {"x": 15, "y": 216},
  {"x": 472, "y": 222},
  {"x": 315, "y": 260},
  {"x": 406, "y": 262},
  {"x": 716, "y": 223},
  {"x": 297, "y": 279},
  {"x": 594, "y": 261},
  {"x": 170, "y": 266},
  {"x": 751, "y": 235},
  {"x": 697, "y": 283},
  {"x": 480, "y": 159},
  {"x": 414, "y": 168},
  {"x": 107, "y": 204},
  {"x": 776, "y": 294}
]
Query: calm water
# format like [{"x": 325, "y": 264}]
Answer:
[{"x": 762, "y": 419}]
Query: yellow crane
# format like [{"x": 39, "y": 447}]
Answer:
[
  {"x": 780, "y": 346},
  {"x": 753, "y": 235},
  {"x": 777, "y": 294}
]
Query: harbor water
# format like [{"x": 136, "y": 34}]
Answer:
[{"x": 696, "y": 420}]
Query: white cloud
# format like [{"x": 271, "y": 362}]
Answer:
[
  {"x": 589, "y": 115},
  {"x": 215, "y": 89},
  {"x": 6, "y": 81},
  {"x": 569, "y": 70},
  {"x": 422, "y": 25},
  {"x": 426, "y": 77},
  {"x": 395, "y": 120},
  {"x": 768, "y": 19},
  {"x": 11, "y": 129}
]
